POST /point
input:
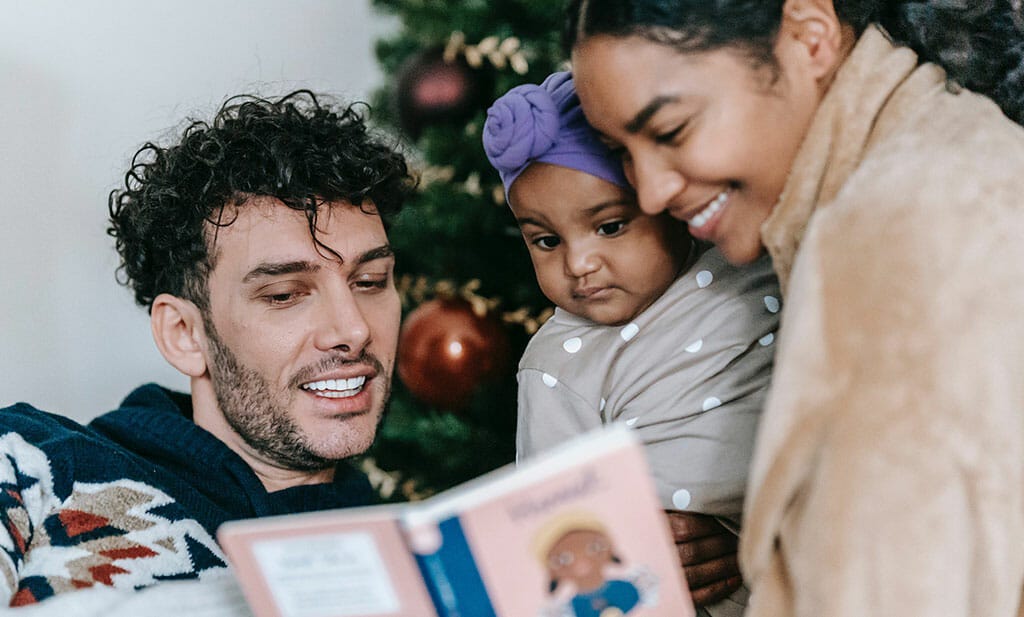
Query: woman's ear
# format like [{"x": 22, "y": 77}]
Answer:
[
  {"x": 178, "y": 331},
  {"x": 813, "y": 30}
]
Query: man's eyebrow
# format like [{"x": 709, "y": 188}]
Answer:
[
  {"x": 278, "y": 268},
  {"x": 381, "y": 252},
  {"x": 645, "y": 114}
]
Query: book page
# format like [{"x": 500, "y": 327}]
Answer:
[
  {"x": 327, "y": 575},
  {"x": 342, "y": 563}
]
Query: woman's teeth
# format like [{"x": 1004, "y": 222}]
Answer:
[{"x": 712, "y": 208}]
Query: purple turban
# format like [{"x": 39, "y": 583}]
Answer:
[{"x": 545, "y": 123}]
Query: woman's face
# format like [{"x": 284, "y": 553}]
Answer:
[{"x": 707, "y": 136}]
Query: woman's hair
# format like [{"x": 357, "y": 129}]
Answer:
[
  {"x": 296, "y": 149},
  {"x": 980, "y": 43}
]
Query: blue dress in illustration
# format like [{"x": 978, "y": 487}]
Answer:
[{"x": 587, "y": 579}]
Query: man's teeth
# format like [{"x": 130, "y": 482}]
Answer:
[
  {"x": 336, "y": 388},
  {"x": 705, "y": 215}
]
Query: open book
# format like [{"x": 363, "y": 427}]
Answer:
[{"x": 575, "y": 532}]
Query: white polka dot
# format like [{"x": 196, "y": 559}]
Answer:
[
  {"x": 549, "y": 380},
  {"x": 710, "y": 403},
  {"x": 772, "y": 304},
  {"x": 766, "y": 340},
  {"x": 704, "y": 278},
  {"x": 681, "y": 499},
  {"x": 603, "y": 403},
  {"x": 631, "y": 421},
  {"x": 573, "y": 345},
  {"x": 629, "y": 331},
  {"x": 695, "y": 346}
]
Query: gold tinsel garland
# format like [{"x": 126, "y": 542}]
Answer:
[{"x": 415, "y": 290}]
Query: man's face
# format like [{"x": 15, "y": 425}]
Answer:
[{"x": 301, "y": 346}]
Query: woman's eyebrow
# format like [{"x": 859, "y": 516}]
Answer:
[{"x": 644, "y": 115}]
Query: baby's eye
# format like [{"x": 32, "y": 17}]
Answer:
[
  {"x": 610, "y": 229},
  {"x": 547, "y": 242}
]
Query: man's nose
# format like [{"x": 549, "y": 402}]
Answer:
[
  {"x": 341, "y": 324},
  {"x": 656, "y": 183}
]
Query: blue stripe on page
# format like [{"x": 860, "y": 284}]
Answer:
[{"x": 452, "y": 576}]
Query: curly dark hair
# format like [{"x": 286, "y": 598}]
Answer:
[
  {"x": 980, "y": 43},
  {"x": 297, "y": 149}
]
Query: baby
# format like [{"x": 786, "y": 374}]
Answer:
[{"x": 650, "y": 328}]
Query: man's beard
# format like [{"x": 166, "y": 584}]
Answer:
[{"x": 249, "y": 407}]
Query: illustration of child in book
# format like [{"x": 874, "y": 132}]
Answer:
[{"x": 587, "y": 578}]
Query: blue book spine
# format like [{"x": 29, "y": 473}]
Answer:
[{"x": 452, "y": 576}]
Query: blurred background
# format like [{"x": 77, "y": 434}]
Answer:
[{"x": 85, "y": 83}]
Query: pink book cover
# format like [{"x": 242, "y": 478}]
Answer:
[
  {"x": 575, "y": 533},
  {"x": 344, "y": 563}
]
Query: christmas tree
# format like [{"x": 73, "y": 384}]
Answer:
[{"x": 469, "y": 293}]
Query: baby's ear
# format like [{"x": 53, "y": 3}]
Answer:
[{"x": 178, "y": 332}]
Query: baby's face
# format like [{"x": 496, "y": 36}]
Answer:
[{"x": 595, "y": 253}]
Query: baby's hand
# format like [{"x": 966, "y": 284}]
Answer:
[{"x": 707, "y": 552}]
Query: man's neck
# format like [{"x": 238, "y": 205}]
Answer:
[{"x": 207, "y": 415}]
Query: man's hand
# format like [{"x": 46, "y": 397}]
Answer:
[{"x": 707, "y": 552}]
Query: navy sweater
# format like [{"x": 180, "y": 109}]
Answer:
[{"x": 133, "y": 498}]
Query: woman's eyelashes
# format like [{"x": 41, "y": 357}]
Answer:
[{"x": 671, "y": 136}]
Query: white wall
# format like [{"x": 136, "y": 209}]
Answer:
[{"x": 83, "y": 83}]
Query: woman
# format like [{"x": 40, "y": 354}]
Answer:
[{"x": 888, "y": 477}]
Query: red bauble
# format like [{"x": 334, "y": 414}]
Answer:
[
  {"x": 431, "y": 90},
  {"x": 445, "y": 351}
]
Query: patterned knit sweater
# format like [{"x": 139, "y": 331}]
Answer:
[{"x": 131, "y": 500}]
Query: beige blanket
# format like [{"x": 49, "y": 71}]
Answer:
[{"x": 888, "y": 475}]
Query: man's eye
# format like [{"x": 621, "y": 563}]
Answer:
[
  {"x": 374, "y": 283},
  {"x": 280, "y": 299},
  {"x": 547, "y": 242},
  {"x": 611, "y": 229}
]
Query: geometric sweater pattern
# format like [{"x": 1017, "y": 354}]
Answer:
[{"x": 129, "y": 501}]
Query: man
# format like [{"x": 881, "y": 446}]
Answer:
[{"x": 258, "y": 245}]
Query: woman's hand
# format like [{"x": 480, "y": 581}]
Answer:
[{"x": 707, "y": 552}]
